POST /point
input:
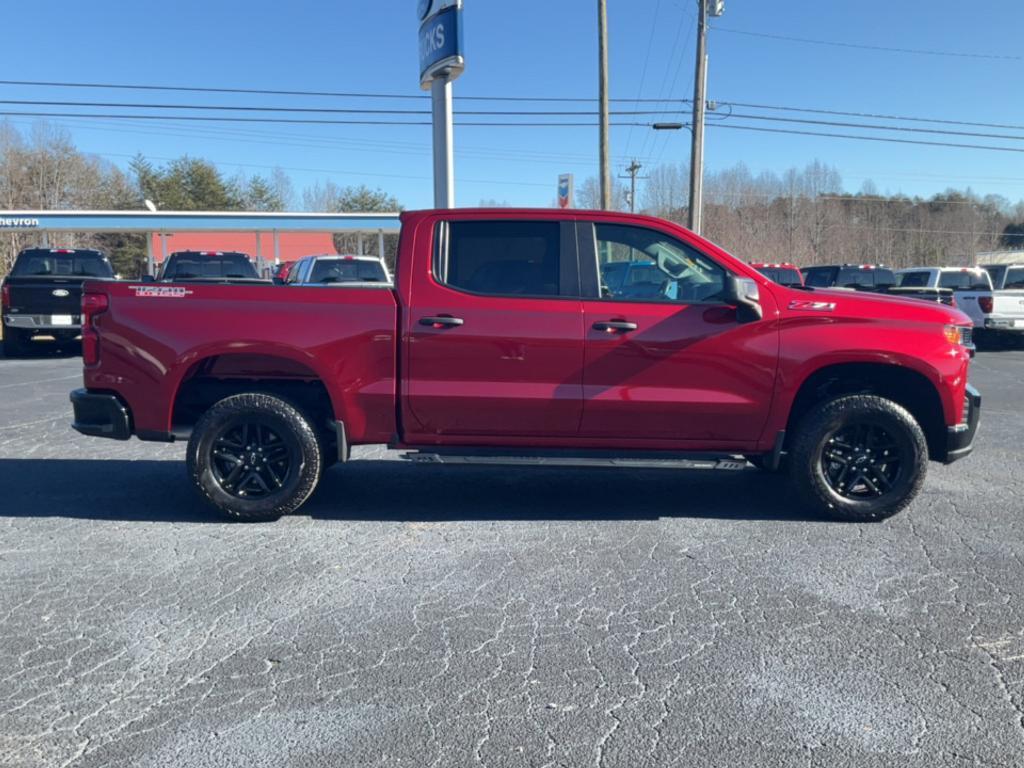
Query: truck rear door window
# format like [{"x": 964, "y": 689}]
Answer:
[{"x": 502, "y": 258}]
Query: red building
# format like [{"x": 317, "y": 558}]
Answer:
[{"x": 291, "y": 245}]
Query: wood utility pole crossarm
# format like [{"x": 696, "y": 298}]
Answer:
[{"x": 631, "y": 173}]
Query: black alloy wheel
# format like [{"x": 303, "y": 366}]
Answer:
[
  {"x": 254, "y": 456},
  {"x": 249, "y": 460},
  {"x": 862, "y": 461},
  {"x": 857, "y": 458}
]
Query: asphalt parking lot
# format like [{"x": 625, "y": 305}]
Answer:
[{"x": 418, "y": 616}]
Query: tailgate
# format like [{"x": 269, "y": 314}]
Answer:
[
  {"x": 54, "y": 296},
  {"x": 1009, "y": 304}
]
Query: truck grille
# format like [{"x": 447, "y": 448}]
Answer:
[{"x": 967, "y": 335}]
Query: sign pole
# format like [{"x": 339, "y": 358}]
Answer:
[
  {"x": 441, "y": 61},
  {"x": 444, "y": 141}
]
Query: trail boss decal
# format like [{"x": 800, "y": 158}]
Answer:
[
  {"x": 160, "y": 291},
  {"x": 812, "y": 306}
]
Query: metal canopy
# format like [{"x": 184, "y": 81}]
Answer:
[{"x": 195, "y": 221}]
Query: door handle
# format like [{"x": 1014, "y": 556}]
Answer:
[
  {"x": 615, "y": 326},
  {"x": 442, "y": 321}
]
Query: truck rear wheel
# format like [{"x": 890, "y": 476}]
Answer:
[
  {"x": 858, "y": 458},
  {"x": 17, "y": 343},
  {"x": 254, "y": 457}
]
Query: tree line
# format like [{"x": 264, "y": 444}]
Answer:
[
  {"x": 803, "y": 216},
  {"x": 43, "y": 170}
]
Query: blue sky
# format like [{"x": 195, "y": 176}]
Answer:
[{"x": 544, "y": 49}]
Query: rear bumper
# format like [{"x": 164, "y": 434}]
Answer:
[
  {"x": 960, "y": 439},
  {"x": 100, "y": 414},
  {"x": 44, "y": 322},
  {"x": 1004, "y": 323}
]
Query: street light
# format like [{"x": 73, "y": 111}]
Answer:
[{"x": 668, "y": 126}]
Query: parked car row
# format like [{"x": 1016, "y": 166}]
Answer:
[
  {"x": 42, "y": 295},
  {"x": 991, "y": 295}
]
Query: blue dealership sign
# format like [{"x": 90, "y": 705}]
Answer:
[{"x": 441, "y": 45}]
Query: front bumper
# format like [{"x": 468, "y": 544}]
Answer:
[
  {"x": 100, "y": 414},
  {"x": 1004, "y": 323},
  {"x": 44, "y": 322},
  {"x": 960, "y": 439}
]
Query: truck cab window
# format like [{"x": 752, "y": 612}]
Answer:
[
  {"x": 640, "y": 264},
  {"x": 501, "y": 258}
]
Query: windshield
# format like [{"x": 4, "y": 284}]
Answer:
[
  {"x": 225, "y": 265},
  {"x": 347, "y": 271},
  {"x": 73, "y": 264}
]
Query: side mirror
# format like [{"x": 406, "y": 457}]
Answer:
[
  {"x": 743, "y": 293},
  {"x": 148, "y": 279}
]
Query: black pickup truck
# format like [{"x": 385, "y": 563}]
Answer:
[{"x": 42, "y": 296}]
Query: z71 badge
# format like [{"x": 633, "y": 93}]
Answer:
[
  {"x": 160, "y": 291},
  {"x": 812, "y": 306}
]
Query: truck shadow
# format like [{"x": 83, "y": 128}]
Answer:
[
  {"x": 380, "y": 490},
  {"x": 395, "y": 491}
]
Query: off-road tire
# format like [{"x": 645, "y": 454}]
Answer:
[
  {"x": 287, "y": 423},
  {"x": 807, "y": 463},
  {"x": 17, "y": 343}
]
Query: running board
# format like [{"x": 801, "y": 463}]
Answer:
[{"x": 706, "y": 463}]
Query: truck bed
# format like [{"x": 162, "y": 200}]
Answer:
[{"x": 157, "y": 335}]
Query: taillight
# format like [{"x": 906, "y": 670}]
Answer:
[
  {"x": 5, "y": 295},
  {"x": 93, "y": 304},
  {"x": 985, "y": 302}
]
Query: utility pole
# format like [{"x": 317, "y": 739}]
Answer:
[
  {"x": 602, "y": 46},
  {"x": 697, "y": 144},
  {"x": 632, "y": 170},
  {"x": 700, "y": 80}
]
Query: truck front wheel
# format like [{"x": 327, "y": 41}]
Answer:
[
  {"x": 254, "y": 457},
  {"x": 858, "y": 458}
]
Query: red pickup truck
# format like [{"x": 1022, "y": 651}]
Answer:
[{"x": 501, "y": 342}]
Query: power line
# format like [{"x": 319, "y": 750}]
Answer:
[
  {"x": 875, "y": 126},
  {"x": 329, "y": 94},
  {"x": 319, "y": 110},
  {"x": 568, "y": 99},
  {"x": 888, "y": 139},
  {"x": 861, "y": 46},
  {"x": 668, "y": 68},
  {"x": 310, "y": 121},
  {"x": 872, "y": 115},
  {"x": 647, "y": 59},
  {"x": 487, "y": 124},
  {"x": 473, "y": 113}
]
